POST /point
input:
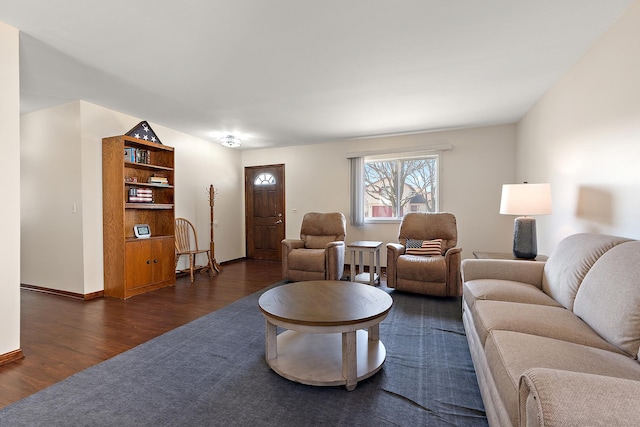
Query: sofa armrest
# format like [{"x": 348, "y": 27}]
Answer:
[
  {"x": 334, "y": 260},
  {"x": 287, "y": 246},
  {"x": 519, "y": 271},
  {"x": 336, "y": 244},
  {"x": 452, "y": 252},
  {"x": 550, "y": 397},
  {"x": 394, "y": 250},
  {"x": 453, "y": 257}
]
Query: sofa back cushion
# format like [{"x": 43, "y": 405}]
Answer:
[
  {"x": 319, "y": 228},
  {"x": 609, "y": 298},
  {"x": 570, "y": 261},
  {"x": 429, "y": 226}
]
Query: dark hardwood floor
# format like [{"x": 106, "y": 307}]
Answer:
[{"x": 61, "y": 336}]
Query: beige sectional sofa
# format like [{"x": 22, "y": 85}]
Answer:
[{"x": 556, "y": 343}]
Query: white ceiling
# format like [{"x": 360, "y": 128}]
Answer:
[{"x": 285, "y": 72}]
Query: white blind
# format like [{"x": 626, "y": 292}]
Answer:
[{"x": 356, "y": 166}]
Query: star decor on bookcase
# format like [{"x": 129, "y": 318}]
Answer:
[{"x": 143, "y": 131}]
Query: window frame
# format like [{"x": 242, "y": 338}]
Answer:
[{"x": 401, "y": 157}]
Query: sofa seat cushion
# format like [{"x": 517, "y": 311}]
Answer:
[
  {"x": 551, "y": 322},
  {"x": 505, "y": 290},
  {"x": 422, "y": 268},
  {"x": 307, "y": 260},
  {"x": 509, "y": 354}
]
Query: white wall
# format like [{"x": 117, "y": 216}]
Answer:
[
  {"x": 583, "y": 137},
  {"x": 51, "y": 250},
  {"x": 199, "y": 164},
  {"x": 63, "y": 147},
  {"x": 482, "y": 159},
  {"x": 10, "y": 179}
]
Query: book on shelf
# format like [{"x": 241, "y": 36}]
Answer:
[
  {"x": 158, "y": 180},
  {"x": 129, "y": 154},
  {"x": 140, "y": 199},
  {"x": 137, "y": 155}
]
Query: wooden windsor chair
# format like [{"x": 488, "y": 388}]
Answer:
[{"x": 187, "y": 244}]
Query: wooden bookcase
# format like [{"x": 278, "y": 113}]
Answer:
[{"x": 131, "y": 265}]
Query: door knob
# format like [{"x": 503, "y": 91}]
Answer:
[{"x": 279, "y": 221}]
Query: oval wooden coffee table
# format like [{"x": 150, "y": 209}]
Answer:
[{"x": 325, "y": 343}]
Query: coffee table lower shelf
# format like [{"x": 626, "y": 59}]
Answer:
[{"x": 316, "y": 359}]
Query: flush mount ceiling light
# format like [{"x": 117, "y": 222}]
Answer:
[{"x": 230, "y": 141}]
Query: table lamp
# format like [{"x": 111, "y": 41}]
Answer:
[{"x": 525, "y": 199}]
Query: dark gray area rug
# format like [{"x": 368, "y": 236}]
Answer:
[{"x": 212, "y": 372}]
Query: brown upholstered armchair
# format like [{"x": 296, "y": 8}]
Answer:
[
  {"x": 319, "y": 253},
  {"x": 428, "y": 266}
]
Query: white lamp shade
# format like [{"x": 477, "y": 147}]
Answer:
[{"x": 526, "y": 199}]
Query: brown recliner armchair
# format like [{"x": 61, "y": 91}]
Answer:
[
  {"x": 319, "y": 253},
  {"x": 427, "y": 268}
]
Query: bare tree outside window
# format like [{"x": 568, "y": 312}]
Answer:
[{"x": 397, "y": 186}]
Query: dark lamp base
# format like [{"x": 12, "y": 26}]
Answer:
[{"x": 525, "y": 243}]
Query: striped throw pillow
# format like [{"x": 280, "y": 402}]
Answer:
[{"x": 424, "y": 247}]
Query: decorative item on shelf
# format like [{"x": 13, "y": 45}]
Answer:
[
  {"x": 525, "y": 199},
  {"x": 212, "y": 197},
  {"x": 142, "y": 231},
  {"x": 140, "y": 195},
  {"x": 143, "y": 131},
  {"x": 130, "y": 179},
  {"x": 230, "y": 141}
]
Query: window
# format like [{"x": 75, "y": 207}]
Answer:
[
  {"x": 264, "y": 179},
  {"x": 393, "y": 187},
  {"x": 387, "y": 184}
]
